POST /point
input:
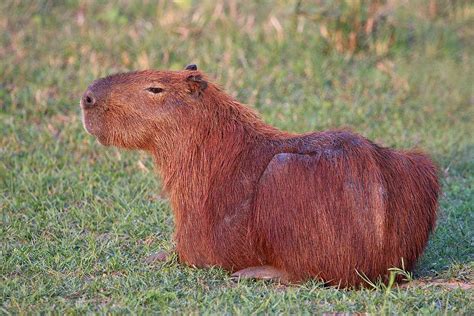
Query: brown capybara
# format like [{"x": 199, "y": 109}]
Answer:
[{"x": 260, "y": 202}]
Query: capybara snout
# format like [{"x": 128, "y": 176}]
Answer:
[
  {"x": 96, "y": 94},
  {"x": 88, "y": 100}
]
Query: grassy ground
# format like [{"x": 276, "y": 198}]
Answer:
[{"x": 78, "y": 219}]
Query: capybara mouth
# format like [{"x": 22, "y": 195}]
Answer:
[
  {"x": 88, "y": 125},
  {"x": 92, "y": 127}
]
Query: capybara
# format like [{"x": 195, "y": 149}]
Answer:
[{"x": 260, "y": 202}]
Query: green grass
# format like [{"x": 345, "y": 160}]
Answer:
[{"x": 78, "y": 219}]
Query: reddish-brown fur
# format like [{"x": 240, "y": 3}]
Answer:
[{"x": 330, "y": 204}]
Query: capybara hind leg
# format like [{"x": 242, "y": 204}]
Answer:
[
  {"x": 262, "y": 273},
  {"x": 159, "y": 256}
]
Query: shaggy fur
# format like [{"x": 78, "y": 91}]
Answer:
[{"x": 330, "y": 205}]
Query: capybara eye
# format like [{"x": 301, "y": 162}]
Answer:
[{"x": 154, "y": 90}]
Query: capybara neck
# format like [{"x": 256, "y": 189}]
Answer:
[{"x": 215, "y": 128}]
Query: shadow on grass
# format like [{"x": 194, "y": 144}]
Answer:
[{"x": 450, "y": 253}]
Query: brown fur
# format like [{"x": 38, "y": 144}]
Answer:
[{"x": 330, "y": 204}]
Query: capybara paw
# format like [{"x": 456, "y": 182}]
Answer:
[
  {"x": 159, "y": 256},
  {"x": 261, "y": 272}
]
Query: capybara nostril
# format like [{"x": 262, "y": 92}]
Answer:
[{"x": 88, "y": 100}]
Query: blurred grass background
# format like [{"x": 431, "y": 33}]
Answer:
[{"x": 78, "y": 219}]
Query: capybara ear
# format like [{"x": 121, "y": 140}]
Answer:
[
  {"x": 191, "y": 67},
  {"x": 196, "y": 84}
]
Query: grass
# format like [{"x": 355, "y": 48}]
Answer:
[{"x": 78, "y": 219}]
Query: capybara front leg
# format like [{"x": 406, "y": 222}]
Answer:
[
  {"x": 261, "y": 272},
  {"x": 159, "y": 256}
]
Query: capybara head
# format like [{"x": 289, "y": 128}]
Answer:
[{"x": 125, "y": 110}]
